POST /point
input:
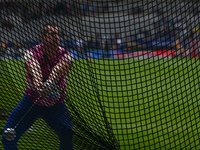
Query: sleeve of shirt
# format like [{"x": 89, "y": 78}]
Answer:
[{"x": 28, "y": 56}]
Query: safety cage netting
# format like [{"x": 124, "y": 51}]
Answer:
[{"x": 134, "y": 79}]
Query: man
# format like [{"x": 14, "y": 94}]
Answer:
[
  {"x": 47, "y": 67},
  {"x": 189, "y": 46}
]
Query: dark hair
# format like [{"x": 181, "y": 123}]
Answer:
[{"x": 45, "y": 28}]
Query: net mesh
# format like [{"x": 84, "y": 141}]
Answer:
[{"x": 134, "y": 83}]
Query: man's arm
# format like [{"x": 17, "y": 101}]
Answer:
[
  {"x": 59, "y": 70},
  {"x": 34, "y": 69}
]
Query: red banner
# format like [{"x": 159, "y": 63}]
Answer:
[{"x": 159, "y": 53}]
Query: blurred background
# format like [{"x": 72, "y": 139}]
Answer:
[{"x": 106, "y": 26}]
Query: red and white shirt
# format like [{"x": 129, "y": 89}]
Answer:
[{"x": 46, "y": 67}]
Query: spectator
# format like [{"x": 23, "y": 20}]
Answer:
[
  {"x": 139, "y": 35},
  {"x": 79, "y": 47},
  {"x": 82, "y": 7},
  {"x": 93, "y": 8},
  {"x": 90, "y": 43},
  {"x": 105, "y": 7},
  {"x": 59, "y": 8},
  {"x": 7, "y": 24},
  {"x": 97, "y": 41},
  {"x": 180, "y": 50},
  {"x": 86, "y": 9},
  {"x": 136, "y": 10},
  {"x": 79, "y": 43},
  {"x": 2, "y": 51},
  {"x": 119, "y": 42},
  {"x": 180, "y": 25},
  {"x": 194, "y": 11},
  {"x": 4, "y": 45},
  {"x": 45, "y": 9},
  {"x": 189, "y": 46},
  {"x": 68, "y": 9}
]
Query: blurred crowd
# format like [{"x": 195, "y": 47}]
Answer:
[
  {"x": 168, "y": 32},
  {"x": 26, "y": 11}
]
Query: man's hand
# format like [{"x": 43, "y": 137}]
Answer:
[{"x": 50, "y": 89}]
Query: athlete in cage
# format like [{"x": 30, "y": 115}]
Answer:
[{"x": 47, "y": 66}]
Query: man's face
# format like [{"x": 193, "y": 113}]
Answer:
[{"x": 51, "y": 38}]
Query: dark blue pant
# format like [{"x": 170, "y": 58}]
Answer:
[{"x": 57, "y": 117}]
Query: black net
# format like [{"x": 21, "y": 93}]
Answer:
[{"x": 131, "y": 67}]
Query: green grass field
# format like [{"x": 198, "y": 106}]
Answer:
[{"x": 149, "y": 103}]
